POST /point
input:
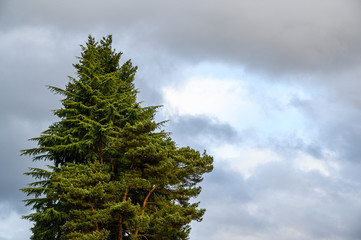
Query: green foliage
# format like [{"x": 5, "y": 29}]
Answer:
[{"x": 116, "y": 174}]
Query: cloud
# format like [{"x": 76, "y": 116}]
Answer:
[
  {"x": 278, "y": 36},
  {"x": 337, "y": 123},
  {"x": 28, "y": 67},
  {"x": 201, "y": 130},
  {"x": 30, "y": 60},
  {"x": 245, "y": 160},
  {"x": 278, "y": 201},
  {"x": 14, "y": 135},
  {"x": 309, "y": 163},
  {"x": 219, "y": 98},
  {"x": 246, "y": 104},
  {"x": 10, "y": 218}
]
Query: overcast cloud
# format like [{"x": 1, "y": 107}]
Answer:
[{"x": 269, "y": 88}]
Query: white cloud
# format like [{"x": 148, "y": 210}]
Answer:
[
  {"x": 225, "y": 99},
  {"x": 244, "y": 102},
  {"x": 307, "y": 163},
  {"x": 246, "y": 160}
]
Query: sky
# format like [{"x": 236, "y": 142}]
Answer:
[{"x": 269, "y": 88}]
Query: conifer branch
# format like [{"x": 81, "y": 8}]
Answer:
[
  {"x": 143, "y": 209},
  {"x": 95, "y": 221}
]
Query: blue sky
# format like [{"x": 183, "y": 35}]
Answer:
[{"x": 269, "y": 88}]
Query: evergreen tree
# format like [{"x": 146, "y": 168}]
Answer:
[{"x": 116, "y": 174}]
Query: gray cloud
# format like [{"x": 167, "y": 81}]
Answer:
[
  {"x": 14, "y": 133},
  {"x": 336, "y": 123},
  {"x": 30, "y": 59},
  {"x": 200, "y": 130},
  {"x": 278, "y": 36}
]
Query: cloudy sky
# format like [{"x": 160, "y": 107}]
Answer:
[{"x": 271, "y": 89}]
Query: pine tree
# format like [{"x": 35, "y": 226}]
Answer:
[{"x": 116, "y": 174}]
